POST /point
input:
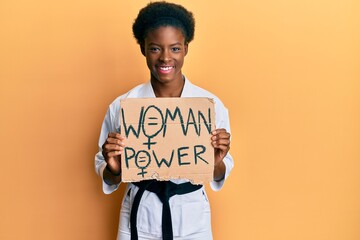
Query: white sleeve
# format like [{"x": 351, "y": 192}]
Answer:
[
  {"x": 100, "y": 164},
  {"x": 222, "y": 121}
]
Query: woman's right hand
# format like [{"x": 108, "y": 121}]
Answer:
[{"x": 112, "y": 150}]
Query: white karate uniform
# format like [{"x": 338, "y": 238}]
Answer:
[{"x": 190, "y": 212}]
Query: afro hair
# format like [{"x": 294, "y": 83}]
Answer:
[{"x": 157, "y": 14}]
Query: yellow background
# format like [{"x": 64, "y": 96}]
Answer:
[{"x": 288, "y": 70}]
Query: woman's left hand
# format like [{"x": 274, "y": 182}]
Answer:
[{"x": 220, "y": 140}]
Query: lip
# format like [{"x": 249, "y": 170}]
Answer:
[{"x": 165, "y": 69}]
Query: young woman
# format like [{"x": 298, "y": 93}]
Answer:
[{"x": 163, "y": 31}]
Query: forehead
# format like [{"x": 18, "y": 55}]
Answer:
[{"x": 164, "y": 34}]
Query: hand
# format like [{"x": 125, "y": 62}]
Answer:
[
  {"x": 112, "y": 150},
  {"x": 221, "y": 142}
]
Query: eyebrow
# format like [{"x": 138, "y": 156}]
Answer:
[{"x": 177, "y": 43}]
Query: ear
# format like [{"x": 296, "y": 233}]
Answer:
[
  {"x": 186, "y": 48},
  {"x": 142, "y": 49}
]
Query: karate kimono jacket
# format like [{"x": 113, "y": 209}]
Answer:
[{"x": 190, "y": 212}]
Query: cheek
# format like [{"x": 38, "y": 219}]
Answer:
[
  {"x": 149, "y": 62},
  {"x": 180, "y": 62}
]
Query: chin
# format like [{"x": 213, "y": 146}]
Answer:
[{"x": 166, "y": 80}]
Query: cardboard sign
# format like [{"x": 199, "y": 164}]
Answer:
[{"x": 167, "y": 138}]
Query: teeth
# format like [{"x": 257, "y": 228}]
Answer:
[{"x": 165, "y": 68}]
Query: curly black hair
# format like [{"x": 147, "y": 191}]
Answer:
[{"x": 157, "y": 14}]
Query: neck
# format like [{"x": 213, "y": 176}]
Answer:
[{"x": 173, "y": 89}]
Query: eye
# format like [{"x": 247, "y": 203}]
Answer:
[
  {"x": 175, "y": 49},
  {"x": 154, "y": 49}
]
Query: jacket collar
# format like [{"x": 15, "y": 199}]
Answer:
[{"x": 186, "y": 92}]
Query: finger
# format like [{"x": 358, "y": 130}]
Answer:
[
  {"x": 220, "y": 131},
  {"x": 115, "y": 135},
  {"x": 222, "y": 135},
  {"x": 223, "y": 148},
  {"x": 112, "y": 147},
  {"x": 112, "y": 151},
  {"x": 217, "y": 131},
  {"x": 111, "y": 140},
  {"x": 115, "y": 141},
  {"x": 222, "y": 141},
  {"x": 112, "y": 154}
]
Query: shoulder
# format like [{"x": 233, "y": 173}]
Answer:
[
  {"x": 221, "y": 112},
  {"x": 136, "y": 92},
  {"x": 192, "y": 90}
]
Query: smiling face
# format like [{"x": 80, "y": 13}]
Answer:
[{"x": 165, "y": 49}]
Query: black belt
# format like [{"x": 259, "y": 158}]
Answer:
[{"x": 164, "y": 190}]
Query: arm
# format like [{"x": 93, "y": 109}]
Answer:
[
  {"x": 109, "y": 125},
  {"x": 224, "y": 162}
]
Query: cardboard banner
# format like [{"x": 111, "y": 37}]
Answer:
[{"x": 167, "y": 138}]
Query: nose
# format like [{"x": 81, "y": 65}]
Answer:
[{"x": 165, "y": 56}]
